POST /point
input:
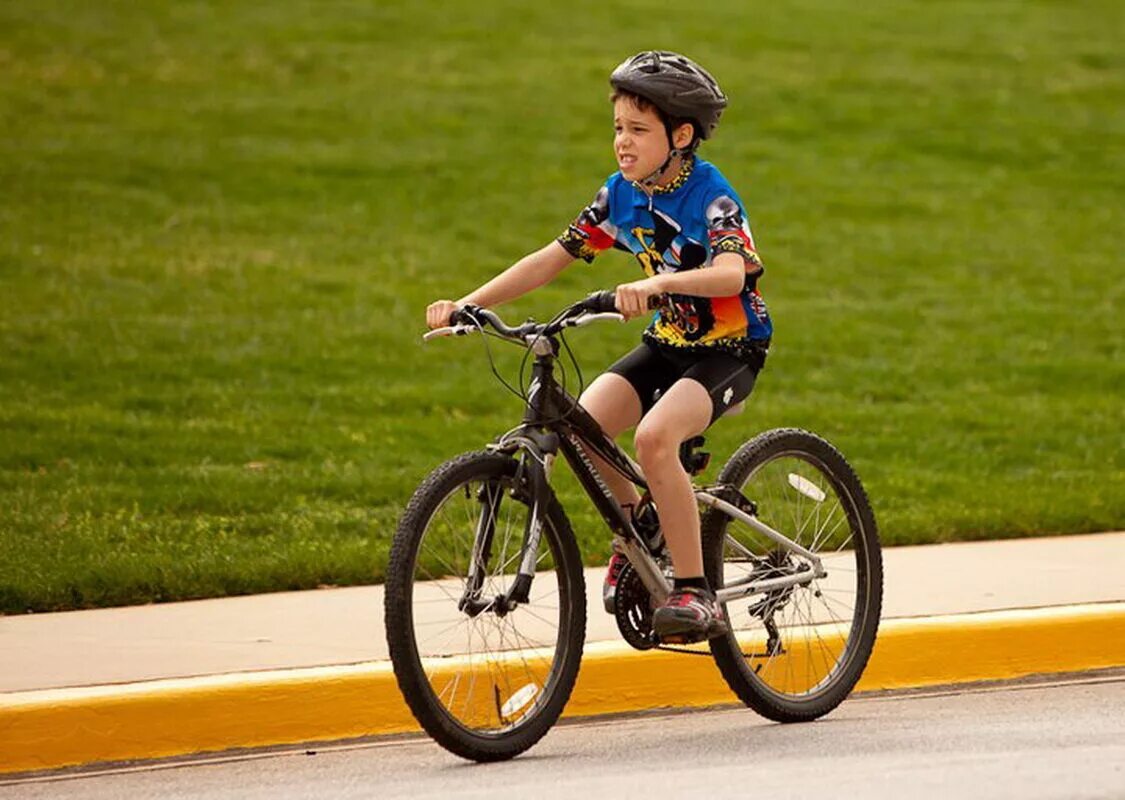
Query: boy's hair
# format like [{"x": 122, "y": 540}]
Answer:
[{"x": 670, "y": 123}]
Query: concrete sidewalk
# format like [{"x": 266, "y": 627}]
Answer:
[
  {"x": 150, "y": 681},
  {"x": 345, "y": 626}
]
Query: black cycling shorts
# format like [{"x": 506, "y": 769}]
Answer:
[{"x": 652, "y": 369}]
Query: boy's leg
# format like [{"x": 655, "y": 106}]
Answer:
[
  {"x": 682, "y": 412},
  {"x": 707, "y": 389},
  {"x": 613, "y": 402},
  {"x": 691, "y": 611}
]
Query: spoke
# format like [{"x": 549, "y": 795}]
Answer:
[
  {"x": 448, "y": 625},
  {"x": 525, "y": 643},
  {"x": 530, "y": 644},
  {"x": 467, "y": 510},
  {"x": 452, "y": 686},
  {"x": 835, "y": 591},
  {"x": 508, "y": 526},
  {"x": 821, "y": 539},
  {"x": 492, "y": 665},
  {"x": 445, "y": 632},
  {"x": 794, "y": 512},
  {"x": 824, "y": 648},
  {"x": 789, "y": 659},
  {"x": 507, "y": 560},
  {"x": 439, "y": 584},
  {"x": 809, "y": 675},
  {"x": 836, "y": 567},
  {"x": 816, "y": 518},
  {"x": 542, "y": 619},
  {"x": 472, "y": 672},
  {"x": 840, "y": 624},
  {"x": 849, "y": 608},
  {"x": 503, "y": 568},
  {"x": 432, "y": 600},
  {"x": 453, "y": 572},
  {"x": 537, "y": 600}
]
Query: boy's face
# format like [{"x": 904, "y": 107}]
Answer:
[{"x": 639, "y": 140}]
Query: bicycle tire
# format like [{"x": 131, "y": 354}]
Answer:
[
  {"x": 809, "y": 663},
  {"x": 483, "y": 729}
]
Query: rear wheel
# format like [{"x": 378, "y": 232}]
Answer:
[
  {"x": 486, "y": 680},
  {"x": 794, "y": 653}
]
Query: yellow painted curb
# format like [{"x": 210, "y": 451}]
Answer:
[{"x": 55, "y": 728}]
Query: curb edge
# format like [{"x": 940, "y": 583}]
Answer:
[{"x": 49, "y": 729}]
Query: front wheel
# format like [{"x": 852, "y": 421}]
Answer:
[
  {"x": 795, "y": 652},
  {"x": 486, "y": 678}
]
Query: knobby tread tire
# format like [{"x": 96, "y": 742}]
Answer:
[
  {"x": 726, "y": 650},
  {"x": 398, "y": 617}
]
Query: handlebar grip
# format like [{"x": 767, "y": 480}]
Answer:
[{"x": 601, "y": 302}]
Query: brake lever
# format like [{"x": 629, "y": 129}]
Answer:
[
  {"x": 587, "y": 318},
  {"x": 452, "y": 330}
]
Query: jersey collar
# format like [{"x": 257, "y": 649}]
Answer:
[{"x": 681, "y": 178}]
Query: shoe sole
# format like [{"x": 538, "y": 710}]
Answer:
[{"x": 671, "y": 634}]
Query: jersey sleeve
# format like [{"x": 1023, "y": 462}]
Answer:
[
  {"x": 728, "y": 231},
  {"x": 591, "y": 232}
]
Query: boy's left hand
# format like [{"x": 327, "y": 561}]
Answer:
[{"x": 632, "y": 298}]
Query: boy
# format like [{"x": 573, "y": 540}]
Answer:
[{"x": 702, "y": 351}]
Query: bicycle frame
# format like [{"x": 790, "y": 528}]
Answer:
[{"x": 554, "y": 422}]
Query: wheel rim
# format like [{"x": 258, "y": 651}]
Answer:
[
  {"x": 493, "y": 671},
  {"x": 797, "y": 641}
]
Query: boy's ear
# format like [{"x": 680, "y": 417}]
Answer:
[{"x": 682, "y": 135}]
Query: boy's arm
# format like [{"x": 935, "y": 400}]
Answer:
[
  {"x": 723, "y": 278},
  {"x": 734, "y": 262},
  {"x": 530, "y": 272}
]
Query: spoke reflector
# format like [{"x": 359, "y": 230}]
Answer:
[
  {"x": 806, "y": 487},
  {"x": 520, "y": 699}
]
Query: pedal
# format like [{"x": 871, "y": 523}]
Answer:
[{"x": 678, "y": 639}]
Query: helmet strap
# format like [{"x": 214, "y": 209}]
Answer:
[
  {"x": 651, "y": 180},
  {"x": 673, "y": 151}
]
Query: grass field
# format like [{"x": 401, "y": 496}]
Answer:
[{"x": 220, "y": 224}]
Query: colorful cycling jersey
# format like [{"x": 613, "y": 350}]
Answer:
[{"x": 679, "y": 227}]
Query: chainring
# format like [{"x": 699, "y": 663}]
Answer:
[{"x": 633, "y": 610}]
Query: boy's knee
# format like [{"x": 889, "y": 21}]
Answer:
[{"x": 653, "y": 444}]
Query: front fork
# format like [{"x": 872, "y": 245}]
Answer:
[
  {"x": 539, "y": 478},
  {"x": 489, "y": 499},
  {"x": 533, "y": 477}
]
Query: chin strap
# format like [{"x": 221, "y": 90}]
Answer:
[
  {"x": 650, "y": 181},
  {"x": 673, "y": 151}
]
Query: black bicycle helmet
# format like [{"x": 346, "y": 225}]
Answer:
[{"x": 676, "y": 85}]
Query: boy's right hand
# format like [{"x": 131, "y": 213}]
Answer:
[{"x": 439, "y": 312}]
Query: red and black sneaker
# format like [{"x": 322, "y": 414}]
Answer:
[
  {"x": 617, "y": 563},
  {"x": 689, "y": 615}
]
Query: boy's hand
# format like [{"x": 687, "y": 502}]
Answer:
[
  {"x": 439, "y": 312},
  {"x": 632, "y": 298}
]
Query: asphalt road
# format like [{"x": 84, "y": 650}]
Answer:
[{"x": 1044, "y": 740}]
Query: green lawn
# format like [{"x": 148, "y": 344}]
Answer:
[{"x": 220, "y": 224}]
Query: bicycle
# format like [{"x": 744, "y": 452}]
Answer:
[{"x": 487, "y": 665}]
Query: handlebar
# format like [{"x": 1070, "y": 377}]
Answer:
[
  {"x": 601, "y": 302},
  {"x": 471, "y": 319}
]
